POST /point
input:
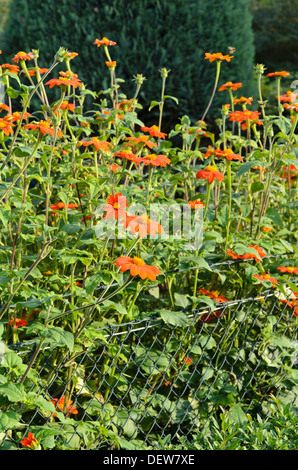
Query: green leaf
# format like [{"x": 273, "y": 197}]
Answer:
[
  {"x": 174, "y": 318},
  {"x": 223, "y": 216},
  {"x": 92, "y": 282},
  {"x": 153, "y": 104},
  {"x": 245, "y": 167},
  {"x": 287, "y": 245},
  {"x": 71, "y": 229},
  {"x": 181, "y": 300},
  {"x": 116, "y": 306},
  {"x": 14, "y": 392},
  {"x": 8, "y": 420},
  {"x": 274, "y": 216},
  {"x": 11, "y": 360},
  {"x": 207, "y": 342},
  {"x": 171, "y": 98},
  {"x": 236, "y": 415},
  {"x": 58, "y": 337},
  {"x": 256, "y": 187}
]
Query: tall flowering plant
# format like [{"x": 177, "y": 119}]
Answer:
[{"x": 89, "y": 235}]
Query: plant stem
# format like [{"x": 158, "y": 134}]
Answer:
[{"x": 214, "y": 89}]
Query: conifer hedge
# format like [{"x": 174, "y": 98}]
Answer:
[{"x": 174, "y": 34}]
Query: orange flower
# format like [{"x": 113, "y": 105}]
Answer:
[
  {"x": 288, "y": 269},
  {"x": 61, "y": 205},
  {"x": 129, "y": 156},
  {"x": 137, "y": 267},
  {"x": 143, "y": 225},
  {"x": 291, "y": 305},
  {"x": 259, "y": 168},
  {"x": 114, "y": 167},
  {"x": 32, "y": 72},
  {"x": 98, "y": 144},
  {"x": 218, "y": 56},
  {"x": 266, "y": 277},
  {"x": 6, "y": 126},
  {"x": 230, "y": 85},
  {"x": 200, "y": 132},
  {"x": 142, "y": 139},
  {"x": 289, "y": 97},
  {"x": 71, "y": 55},
  {"x": 195, "y": 204},
  {"x": 66, "y": 105},
  {"x": 10, "y": 68},
  {"x": 115, "y": 206},
  {"x": 17, "y": 115},
  {"x": 154, "y": 131},
  {"x": 210, "y": 173},
  {"x": 278, "y": 74},
  {"x": 267, "y": 229},
  {"x": 260, "y": 251},
  {"x": 44, "y": 127},
  {"x": 213, "y": 294},
  {"x": 291, "y": 107},
  {"x": 66, "y": 78},
  {"x": 4, "y": 107},
  {"x": 291, "y": 171},
  {"x": 209, "y": 152},
  {"x": 111, "y": 64},
  {"x": 228, "y": 154},
  {"x": 240, "y": 116},
  {"x": 18, "y": 322},
  {"x": 29, "y": 441},
  {"x": 155, "y": 160},
  {"x": 60, "y": 405},
  {"x": 23, "y": 56},
  {"x": 107, "y": 113},
  {"x": 243, "y": 100},
  {"x": 72, "y": 205},
  {"x": 187, "y": 360},
  {"x": 104, "y": 42}
]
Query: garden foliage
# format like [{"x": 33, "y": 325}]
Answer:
[{"x": 71, "y": 289}]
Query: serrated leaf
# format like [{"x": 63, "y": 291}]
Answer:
[
  {"x": 116, "y": 306},
  {"x": 14, "y": 392},
  {"x": 174, "y": 318},
  {"x": 8, "y": 420},
  {"x": 236, "y": 415},
  {"x": 58, "y": 337},
  {"x": 181, "y": 300}
]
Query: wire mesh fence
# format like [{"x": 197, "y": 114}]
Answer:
[{"x": 165, "y": 375}]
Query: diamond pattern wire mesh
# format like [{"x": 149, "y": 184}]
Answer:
[{"x": 148, "y": 378}]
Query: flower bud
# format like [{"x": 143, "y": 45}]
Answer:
[{"x": 61, "y": 54}]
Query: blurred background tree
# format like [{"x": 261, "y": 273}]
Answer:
[
  {"x": 275, "y": 26},
  {"x": 152, "y": 34}
]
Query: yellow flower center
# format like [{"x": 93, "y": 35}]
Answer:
[
  {"x": 138, "y": 261},
  {"x": 44, "y": 124},
  {"x": 151, "y": 157},
  {"x": 116, "y": 205},
  {"x": 143, "y": 219},
  {"x": 211, "y": 168}
]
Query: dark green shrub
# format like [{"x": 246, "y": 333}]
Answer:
[
  {"x": 151, "y": 34},
  {"x": 275, "y": 32}
]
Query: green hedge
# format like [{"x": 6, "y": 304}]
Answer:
[
  {"x": 150, "y": 35},
  {"x": 276, "y": 34}
]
